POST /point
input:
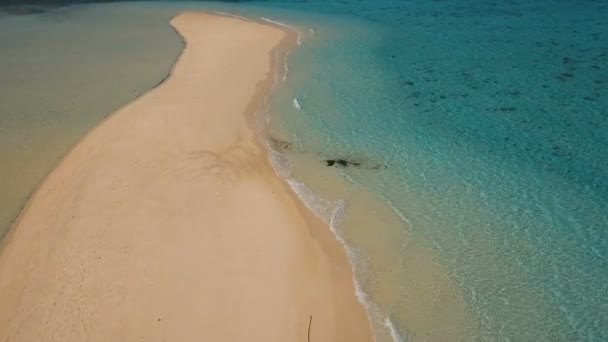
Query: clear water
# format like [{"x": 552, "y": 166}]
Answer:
[
  {"x": 491, "y": 122},
  {"x": 480, "y": 208}
]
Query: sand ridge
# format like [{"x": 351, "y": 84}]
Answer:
[{"x": 166, "y": 222}]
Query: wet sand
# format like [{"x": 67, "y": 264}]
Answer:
[{"x": 166, "y": 222}]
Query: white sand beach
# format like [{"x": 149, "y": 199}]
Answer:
[{"x": 167, "y": 222}]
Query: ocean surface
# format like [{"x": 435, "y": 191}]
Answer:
[{"x": 474, "y": 200}]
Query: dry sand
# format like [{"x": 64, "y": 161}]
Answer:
[{"x": 166, "y": 223}]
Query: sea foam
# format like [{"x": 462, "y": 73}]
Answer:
[
  {"x": 231, "y": 15},
  {"x": 299, "y": 37},
  {"x": 390, "y": 326},
  {"x": 333, "y": 213},
  {"x": 296, "y": 104},
  {"x": 330, "y": 212}
]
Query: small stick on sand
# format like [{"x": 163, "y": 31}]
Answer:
[{"x": 309, "y": 323}]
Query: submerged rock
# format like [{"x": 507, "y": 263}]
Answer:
[{"x": 339, "y": 162}]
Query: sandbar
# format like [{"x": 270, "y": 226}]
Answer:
[{"x": 167, "y": 222}]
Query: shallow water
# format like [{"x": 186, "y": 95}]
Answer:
[
  {"x": 480, "y": 208},
  {"x": 64, "y": 70},
  {"x": 488, "y": 123}
]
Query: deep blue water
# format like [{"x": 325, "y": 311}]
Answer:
[{"x": 489, "y": 121}]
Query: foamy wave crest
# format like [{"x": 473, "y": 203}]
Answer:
[
  {"x": 278, "y": 75},
  {"x": 348, "y": 178},
  {"x": 357, "y": 263},
  {"x": 335, "y": 220},
  {"x": 276, "y": 22},
  {"x": 231, "y": 15},
  {"x": 398, "y": 212},
  {"x": 296, "y": 104},
  {"x": 285, "y": 69},
  {"x": 298, "y": 39},
  {"x": 333, "y": 214},
  {"x": 390, "y": 204},
  {"x": 279, "y": 163},
  {"x": 388, "y": 324},
  {"x": 379, "y": 318},
  {"x": 319, "y": 206}
]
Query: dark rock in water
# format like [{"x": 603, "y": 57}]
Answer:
[
  {"x": 342, "y": 162},
  {"x": 337, "y": 162},
  {"x": 345, "y": 162}
]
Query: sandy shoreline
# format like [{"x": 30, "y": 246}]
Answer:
[{"x": 166, "y": 222}]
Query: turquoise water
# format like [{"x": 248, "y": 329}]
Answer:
[
  {"x": 480, "y": 208},
  {"x": 489, "y": 122}
]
